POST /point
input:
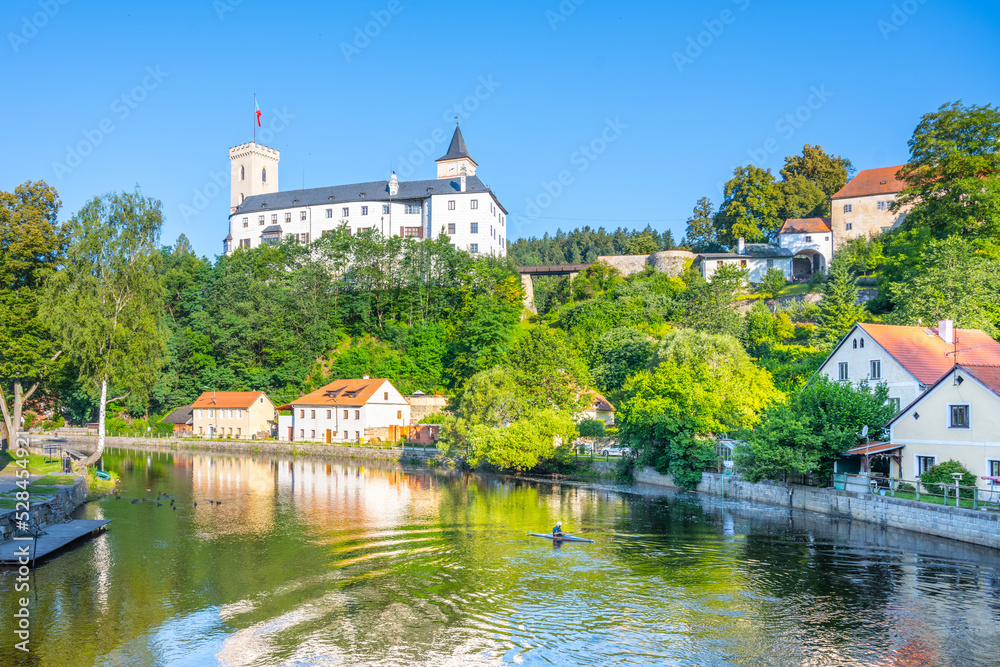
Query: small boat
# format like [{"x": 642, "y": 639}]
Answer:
[
  {"x": 102, "y": 475},
  {"x": 564, "y": 538}
]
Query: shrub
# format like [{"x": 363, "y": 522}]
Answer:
[
  {"x": 435, "y": 418},
  {"x": 591, "y": 428},
  {"x": 30, "y": 420},
  {"x": 939, "y": 476}
]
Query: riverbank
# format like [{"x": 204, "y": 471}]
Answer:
[
  {"x": 965, "y": 525},
  {"x": 48, "y": 503}
]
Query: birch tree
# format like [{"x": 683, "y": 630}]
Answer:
[{"x": 106, "y": 301}]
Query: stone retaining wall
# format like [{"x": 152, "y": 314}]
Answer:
[
  {"x": 67, "y": 499},
  {"x": 966, "y": 525}
]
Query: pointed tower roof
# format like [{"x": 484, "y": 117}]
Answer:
[{"x": 457, "y": 148}]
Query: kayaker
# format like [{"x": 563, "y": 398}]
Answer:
[{"x": 558, "y": 531}]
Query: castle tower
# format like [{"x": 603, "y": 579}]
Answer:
[
  {"x": 457, "y": 157},
  {"x": 254, "y": 171}
]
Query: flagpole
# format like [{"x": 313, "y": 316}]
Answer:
[{"x": 254, "y": 116}]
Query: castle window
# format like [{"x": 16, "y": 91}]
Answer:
[
  {"x": 848, "y": 226},
  {"x": 244, "y": 243},
  {"x": 451, "y": 204},
  {"x": 474, "y": 228},
  {"x": 412, "y": 209},
  {"x": 243, "y": 173},
  {"x": 385, "y": 209},
  {"x": 288, "y": 217},
  {"x": 473, "y": 247},
  {"x": 263, "y": 175},
  {"x": 364, "y": 210},
  {"x": 770, "y": 263},
  {"x": 260, "y": 219},
  {"x": 329, "y": 212},
  {"x": 274, "y": 218},
  {"x": 246, "y": 222},
  {"x": 474, "y": 204},
  {"x": 848, "y": 208},
  {"x": 451, "y": 227},
  {"x": 346, "y": 211}
]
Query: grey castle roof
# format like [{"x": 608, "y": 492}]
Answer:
[
  {"x": 376, "y": 191},
  {"x": 271, "y": 228},
  {"x": 759, "y": 250},
  {"x": 457, "y": 148},
  {"x": 179, "y": 416}
]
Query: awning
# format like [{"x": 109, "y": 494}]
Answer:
[{"x": 873, "y": 448}]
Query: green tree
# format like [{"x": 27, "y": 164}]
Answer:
[
  {"x": 813, "y": 429},
  {"x": 700, "y": 233},
  {"x": 953, "y": 174},
  {"x": 106, "y": 301},
  {"x": 31, "y": 246},
  {"x": 827, "y": 173},
  {"x": 524, "y": 444},
  {"x": 798, "y": 197},
  {"x": 710, "y": 306},
  {"x": 618, "y": 354},
  {"x": 772, "y": 282},
  {"x": 750, "y": 207},
  {"x": 838, "y": 310}
]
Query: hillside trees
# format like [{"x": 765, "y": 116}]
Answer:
[{"x": 750, "y": 207}]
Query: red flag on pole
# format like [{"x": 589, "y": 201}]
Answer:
[{"x": 258, "y": 111}]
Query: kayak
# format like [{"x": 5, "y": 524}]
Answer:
[{"x": 564, "y": 538}]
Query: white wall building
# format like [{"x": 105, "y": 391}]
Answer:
[
  {"x": 342, "y": 410},
  {"x": 862, "y": 207},
  {"x": 756, "y": 258},
  {"x": 456, "y": 204},
  {"x": 811, "y": 242},
  {"x": 906, "y": 359}
]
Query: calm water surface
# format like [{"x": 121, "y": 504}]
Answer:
[{"x": 316, "y": 562}]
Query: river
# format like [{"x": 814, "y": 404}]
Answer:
[{"x": 326, "y": 562}]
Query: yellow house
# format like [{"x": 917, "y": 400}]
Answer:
[
  {"x": 233, "y": 414},
  {"x": 958, "y": 418}
]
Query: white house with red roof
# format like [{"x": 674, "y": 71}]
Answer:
[
  {"x": 599, "y": 408},
  {"x": 233, "y": 414},
  {"x": 342, "y": 410},
  {"x": 907, "y": 359},
  {"x": 956, "y": 418},
  {"x": 861, "y": 208},
  {"x": 811, "y": 243}
]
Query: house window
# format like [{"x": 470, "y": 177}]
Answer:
[
  {"x": 718, "y": 264},
  {"x": 876, "y": 369},
  {"x": 412, "y": 209},
  {"x": 474, "y": 204},
  {"x": 329, "y": 414},
  {"x": 770, "y": 263},
  {"x": 959, "y": 416},
  {"x": 855, "y": 343},
  {"x": 357, "y": 414},
  {"x": 201, "y": 413},
  {"x": 883, "y": 205},
  {"x": 302, "y": 215},
  {"x": 288, "y": 216},
  {"x": 211, "y": 413},
  {"x": 451, "y": 204},
  {"x": 924, "y": 463},
  {"x": 246, "y": 222},
  {"x": 399, "y": 414},
  {"x": 473, "y": 227},
  {"x": 346, "y": 211},
  {"x": 345, "y": 417},
  {"x": 894, "y": 402},
  {"x": 274, "y": 218},
  {"x": 260, "y": 219},
  {"x": 243, "y": 173},
  {"x": 385, "y": 209},
  {"x": 329, "y": 212},
  {"x": 364, "y": 210},
  {"x": 385, "y": 396},
  {"x": 312, "y": 414},
  {"x": 345, "y": 435},
  {"x": 862, "y": 342},
  {"x": 473, "y": 247},
  {"x": 809, "y": 239},
  {"x": 263, "y": 175},
  {"x": 847, "y": 208},
  {"x": 244, "y": 243},
  {"x": 848, "y": 226},
  {"x": 413, "y": 232},
  {"x": 302, "y": 414},
  {"x": 842, "y": 367},
  {"x": 238, "y": 432},
  {"x": 357, "y": 435},
  {"x": 451, "y": 227},
  {"x": 993, "y": 467},
  {"x": 302, "y": 433},
  {"x": 313, "y": 436},
  {"x": 743, "y": 264}
]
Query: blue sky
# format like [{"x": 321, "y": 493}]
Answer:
[{"x": 666, "y": 98}]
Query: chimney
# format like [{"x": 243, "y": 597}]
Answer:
[
  {"x": 365, "y": 377},
  {"x": 741, "y": 246},
  {"x": 946, "y": 330}
]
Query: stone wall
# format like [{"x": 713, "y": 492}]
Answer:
[
  {"x": 428, "y": 404},
  {"x": 67, "y": 499},
  {"x": 965, "y": 525}
]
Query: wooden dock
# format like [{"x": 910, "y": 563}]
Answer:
[{"x": 56, "y": 537}]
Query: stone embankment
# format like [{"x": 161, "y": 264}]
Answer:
[
  {"x": 55, "y": 509},
  {"x": 965, "y": 525}
]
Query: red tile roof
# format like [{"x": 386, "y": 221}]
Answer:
[
  {"x": 601, "y": 403},
  {"x": 806, "y": 226},
  {"x": 341, "y": 392},
  {"x": 227, "y": 399},
  {"x": 873, "y": 448},
  {"x": 872, "y": 182},
  {"x": 925, "y": 354},
  {"x": 988, "y": 374}
]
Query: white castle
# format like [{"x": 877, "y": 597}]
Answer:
[{"x": 456, "y": 204}]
